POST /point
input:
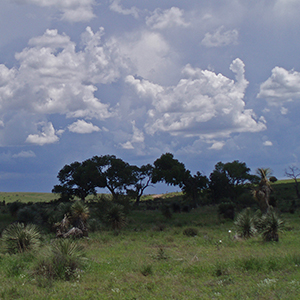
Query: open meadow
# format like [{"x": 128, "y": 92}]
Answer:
[{"x": 185, "y": 255}]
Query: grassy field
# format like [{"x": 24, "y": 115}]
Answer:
[{"x": 152, "y": 258}]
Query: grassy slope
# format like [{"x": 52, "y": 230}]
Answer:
[{"x": 180, "y": 267}]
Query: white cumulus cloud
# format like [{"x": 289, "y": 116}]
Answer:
[
  {"x": 161, "y": 19},
  {"x": 268, "y": 143},
  {"x": 281, "y": 86},
  {"x": 24, "y": 154},
  {"x": 203, "y": 104},
  {"x": 117, "y": 7},
  {"x": 82, "y": 126},
  {"x": 220, "y": 38},
  {"x": 47, "y": 135},
  {"x": 55, "y": 78}
]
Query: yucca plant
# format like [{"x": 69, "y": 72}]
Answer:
[
  {"x": 116, "y": 217},
  {"x": 64, "y": 261},
  {"x": 270, "y": 225},
  {"x": 80, "y": 211},
  {"x": 263, "y": 191},
  {"x": 18, "y": 237},
  {"x": 245, "y": 223}
]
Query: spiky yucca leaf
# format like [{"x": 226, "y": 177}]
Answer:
[
  {"x": 18, "y": 237},
  {"x": 245, "y": 223},
  {"x": 80, "y": 210},
  {"x": 270, "y": 225},
  {"x": 116, "y": 217}
]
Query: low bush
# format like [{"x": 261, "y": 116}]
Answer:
[
  {"x": 18, "y": 237},
  {"x": 245, "y": 224},
  {"x": 190, "y": 231},
  {"x": 65, "y": 261}
]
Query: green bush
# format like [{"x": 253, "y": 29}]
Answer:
[
  {"x": 166, "y": 211},
  {"x": 64, "y": 262},
  {"x": 115, "y": 217},
  {"x": 18, "y": 237},
  {"x": 190, "y": 231},
  {"x": 270, "y": 225},
  {"x": 226, "y": 210},
  {"x": 245, "y": 223}
]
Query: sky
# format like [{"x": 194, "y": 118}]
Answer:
[{"x": 208, "y": 81}]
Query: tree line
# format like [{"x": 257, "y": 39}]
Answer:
[{"x": 80, "y": 179}]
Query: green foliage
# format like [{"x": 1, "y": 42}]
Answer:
[
  {"x": 18, "y": 237},
  {"x": 169, "y": 170},
  {"x": 115, "y": 217},
  {"x": 229, "y": 180},
  {"x": 226, "y": 210},
  {"x": 190, "y": 231},
  {"x": 64, "y": 262},
  {"x": 270, "y": 225},
  {"x": 14, "y": 207},
  {"x": 166, "y": 211},
  {"x": 245, "y": 223},
  {"x": 80, "y": 211},
  {"x": 147, "y": 270}
]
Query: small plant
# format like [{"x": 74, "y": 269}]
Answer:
[
  {"x": 227, "y": 210},
  {"x": 190, "y": 231},
  {"x": 147, "y": 270},
  {"x": 116, "y": 217},
  {"x": 64, "y": 261},
  {"x": 161, "y": 254},
  {"x": 270, "y": 225},
  {"x": 166, "y": 211},
  {"x": 245, "y": 224},
  {"x": 18, "y": 238}
]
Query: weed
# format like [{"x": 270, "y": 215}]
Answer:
[
  {"x": 18, "y": 237},
  {"x": 190, "y": 231},
  {"x": 147, "y": 270}
]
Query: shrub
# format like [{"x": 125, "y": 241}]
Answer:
[
  {"x": 28, "y": 214},
  {"x": 166, "y": 211},
  {"x": 190, "y": 231},
  {"x": 270, "y": 225},
  {"x": 115, "y": 217},
  {"x": 64, "y": 261},
  {"x": 18, "y": 237},
  {"x": 227, "y": 210},
  {"x": 147, "y": 270},
  {"x": 245, "y": 223}
]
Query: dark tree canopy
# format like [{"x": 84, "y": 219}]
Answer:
[
  {"x": 143, "y": 178},
  {"x": 76, "y": 180},
  {"x": 195, "y": 185},
  {"x": 113, "y": 173},
  {"x": 169, "y": 170},
  {"x": 228, "y": 180}
]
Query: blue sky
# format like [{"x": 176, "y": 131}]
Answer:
[{"x": 208, "y": 81}]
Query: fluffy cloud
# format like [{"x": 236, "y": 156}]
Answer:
[
  {"x": 54, "y": 78},
  {"x": 220, "y": 38},
  {"x": 268, "y": 143},
  {"x": 47, "y": 135},
  {"x": 136, "y": 138},
  {"x": 116, "y": 7},
  {"x": 82, "y": 126},
  {"x": 24, "y": 154},
  {"x": 161, "y": 19},
  {"x": 72, "y": 10},
  {"x": 147, "y": 53},
  {"x": 282, "y": 86},
  {"x": 203, "y": 104}
]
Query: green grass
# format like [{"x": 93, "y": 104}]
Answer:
[
  {"x": 143, "y": 263},
  {"x": 152, "y": 258}
]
